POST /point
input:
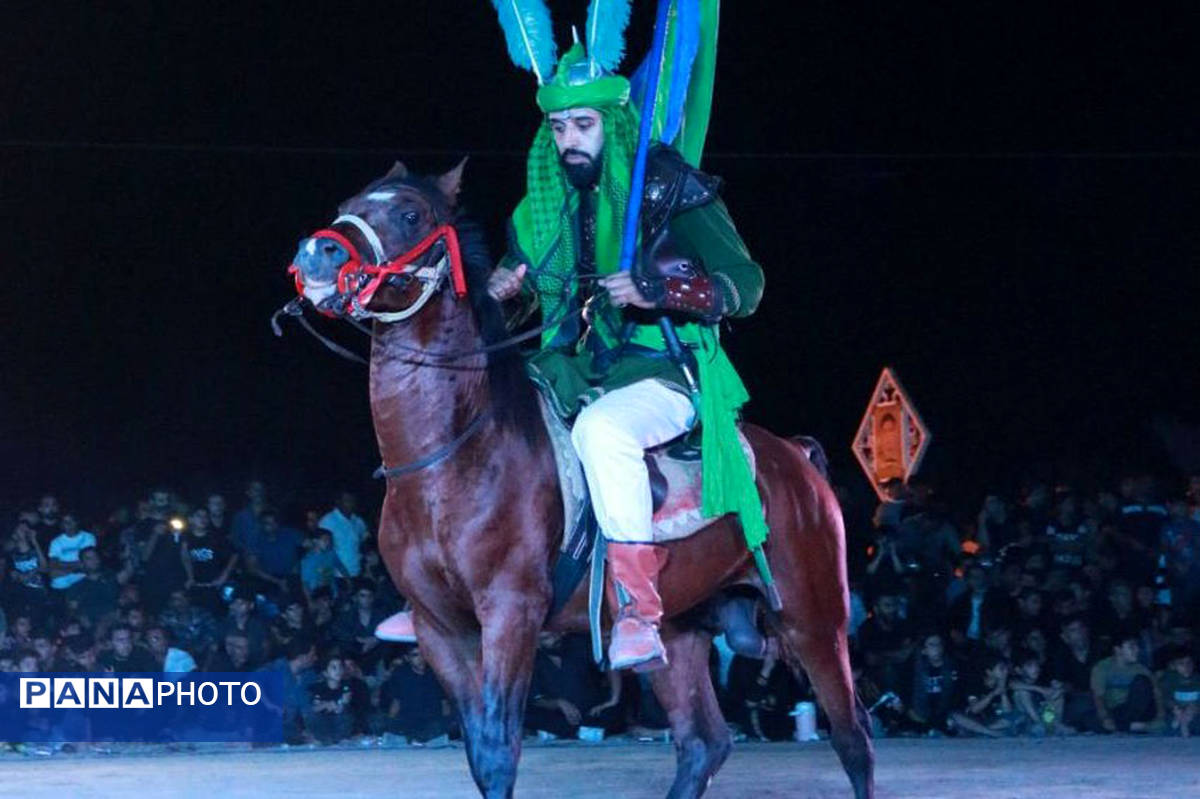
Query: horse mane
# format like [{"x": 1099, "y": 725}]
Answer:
[{"x": 514, "y": 399}]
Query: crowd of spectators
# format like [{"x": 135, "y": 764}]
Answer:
[{"x": 1056, "y": 613}]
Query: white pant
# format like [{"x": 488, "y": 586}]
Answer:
[{"x": 611, "y": 436}]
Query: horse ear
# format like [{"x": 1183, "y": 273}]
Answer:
[
  {"x": 450, "y": 184},
  {"x": 398, "y": 171}
]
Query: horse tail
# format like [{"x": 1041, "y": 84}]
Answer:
[{"x": 814, "y": 452}]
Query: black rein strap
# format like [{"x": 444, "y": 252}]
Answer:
[{"x": 384, "y": 472}]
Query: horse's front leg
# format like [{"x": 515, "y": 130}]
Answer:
[{"x": 510, "y": 619}]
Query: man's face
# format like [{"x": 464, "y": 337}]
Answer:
[
  {"x": 269, "y": 524},
  {"x": 294, "y": 613},
  {"x": 933, "y": 649},
  {"x": 1184, "y": 666},
  {"x": 579, "y": 137},
  {"x": 122, "y": 642},
  {"x": 69, "y": 525},
  {"x": 240, "y": 607},
  {"x": 44, "y": 648},
  {"x": 347, "y": 504},
  {"x": 1126, "y": 652},
  {"x": 255, "y": 491},
  {"x": 335, "y": 669},
  {"x": 886, "y": 607},
  {"x": 216, "y": 505},
  {"x": 48, "y": 507},
  {"x": 199, "y": 520},
  {"x": 1121, "y": 597},
  {"x": 179, "y": 601},
  {"x": 238, "y": 649},
  {"x": 156, "y": 639},
  {"x": 364, "y": 597}
]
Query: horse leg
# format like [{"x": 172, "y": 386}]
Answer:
[
  {"x": 510, "y": 622},
  {"x": 685, "y": 690},
  {"x": 454, "y": 656},
  {"x": 823, "y": 654}
]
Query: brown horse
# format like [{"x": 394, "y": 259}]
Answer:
[{"x": 470, "y": 529}]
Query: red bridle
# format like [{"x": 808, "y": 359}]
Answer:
[{"x": 357, "y": 280}]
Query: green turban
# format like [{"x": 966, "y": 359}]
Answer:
[{"x": 574, "y": 85}]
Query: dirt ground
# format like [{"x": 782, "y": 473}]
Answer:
[{"x": 1092, "y": 767}]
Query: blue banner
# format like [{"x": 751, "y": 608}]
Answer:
[{"x": 150, "y": 707}]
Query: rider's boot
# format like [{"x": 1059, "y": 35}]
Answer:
[
  {"x": 398, "y": 627},
  {"x": 635, "y": 639}
]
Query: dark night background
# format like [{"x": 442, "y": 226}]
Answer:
[{"x": 998, "y": 200}]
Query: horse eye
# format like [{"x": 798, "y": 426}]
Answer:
[{"x": 411, "y": 217}]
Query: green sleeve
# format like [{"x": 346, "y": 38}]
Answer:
[{"x": 709, "y": 232}]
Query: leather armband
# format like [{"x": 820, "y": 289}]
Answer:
[{"x": 696, "y": 295}]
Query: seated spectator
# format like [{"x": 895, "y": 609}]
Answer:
[
  {"x": 95, "y": 596},
  {"x": 329, "y": 716},
  {"x": 1124, "y": 691},
  {"x": 46, "y": 649},
  {"x": 321, "y": 566},
  {"x": 1181, "y": 692},
  {"x": 973, "y": 611},
  {"x": 320, "y": 612},
  {"x": 297, "y": 674},
  {"x": 79, "y": 653},
  {"x": 989, "y": 710},
  {"x": 292, "y": 624},
  {"x": 209, "y": 561},
  {"x": 234, "y": 655},
  {"x": 163, "y": 562},
  {"x": 1118, "y": 616},
  {"x": 934, "y": 686},
  {"x": 193, "y": 628},
  {"x": 273, "y": 553},
  {"x": 349, "y": 532},
  {"x": 64, "y": 554},
  {"x": 29, "y": 568},
  {"x": 47, "y": 523},
  {"x": 218, "y": 519},
  {"x": 245, "y": 524},
  {"x": 355, "y": 626},
  {"x": 886, "y": 642},
  {"x": 567, "y": 690},
  {"x": 995, "y": 528},
  {"x": 1041, "y": 700},
  {"x": 172, "y": 660},
  {"x": 243, "y": 619},
  {"x": 1066, "y": 535},
  {"x": 762, "y": 692},
  {"x": 123, "y": 655},
  {"x": 412, "y": 700},
  {"x": 1070, "y": 662}
]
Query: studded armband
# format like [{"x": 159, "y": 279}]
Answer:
[{"x": 697, "y": 295}]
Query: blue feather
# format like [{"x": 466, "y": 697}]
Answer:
[
  {"x": 687, "y": 44},
  {"x": 606, "y": 23},
  {"x": 529, "y": 34}
]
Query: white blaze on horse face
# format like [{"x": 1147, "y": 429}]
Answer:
[
  {"x": 381, "y": 196},
  {"x": 579, "y": 129},
  {"x": 311, "y": 247}
]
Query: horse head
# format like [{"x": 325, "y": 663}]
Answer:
[{"x": 390, "y": 249}]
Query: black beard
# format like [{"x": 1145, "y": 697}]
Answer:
[{"x": 584, "y": 175}]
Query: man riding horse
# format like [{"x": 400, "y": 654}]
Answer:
[{"x": 603, "y": 358}]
